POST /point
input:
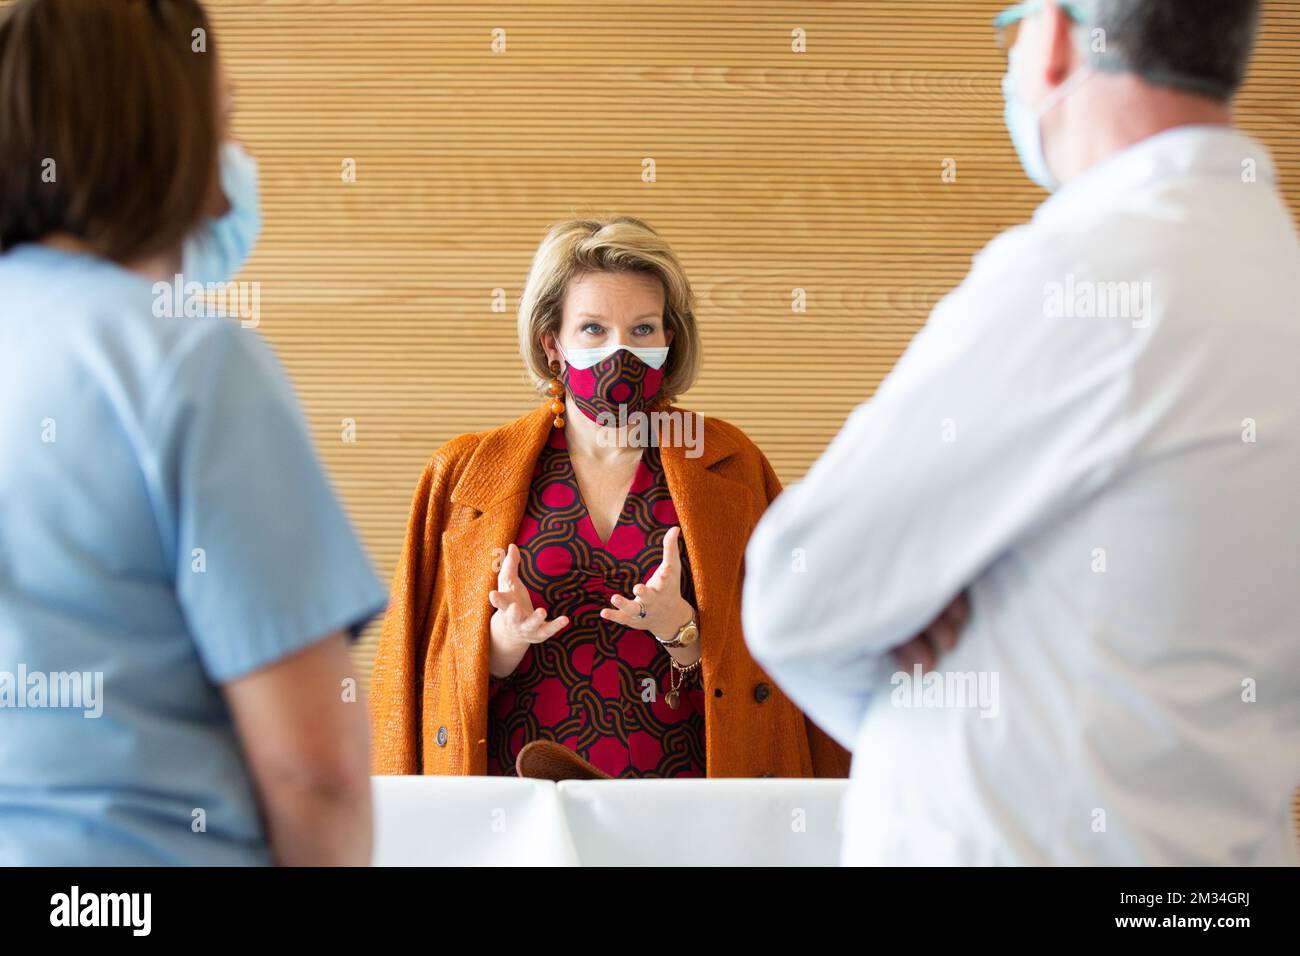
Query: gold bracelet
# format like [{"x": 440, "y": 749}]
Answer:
[
  {"x": 676, "y": 677},
  {"x": 687, "y": 669}
]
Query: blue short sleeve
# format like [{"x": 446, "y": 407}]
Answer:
[{"x": 266, "y": 561}]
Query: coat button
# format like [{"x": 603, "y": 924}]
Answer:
[
  {"x": 762, "y": 692},
  {"x": 442, "y": 736}
]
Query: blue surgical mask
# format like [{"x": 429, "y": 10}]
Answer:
[
  {"x": 1024, "y": 123},
  {"x": 219, "y": 248}
]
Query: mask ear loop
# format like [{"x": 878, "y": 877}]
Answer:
[{"x": 1071, "y": 83}]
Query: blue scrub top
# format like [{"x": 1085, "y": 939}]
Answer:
[{"x": 165, "y": 527}]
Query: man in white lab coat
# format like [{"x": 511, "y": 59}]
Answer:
[{"x": 1096, "y": 438}]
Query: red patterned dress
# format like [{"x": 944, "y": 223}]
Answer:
[{"x": 596, "y": 687}]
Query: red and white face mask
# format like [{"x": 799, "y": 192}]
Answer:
[{"x": 603, "y": 379}]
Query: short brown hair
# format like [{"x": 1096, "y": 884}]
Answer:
[
  {"x": 575, "y": 247},
  {"x": 108, "y": 125}
]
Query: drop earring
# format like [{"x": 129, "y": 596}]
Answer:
[{"x": 556, "y": 389}]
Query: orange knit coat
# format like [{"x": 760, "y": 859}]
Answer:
[{"x": 429, "y": 695}]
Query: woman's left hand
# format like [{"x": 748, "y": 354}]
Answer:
[{"x": 661, "y": 597}]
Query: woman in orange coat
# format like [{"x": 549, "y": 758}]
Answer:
[{"x": 574, "y": 576}]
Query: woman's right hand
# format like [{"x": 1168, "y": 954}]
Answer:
[{"x": 515, "y": 624}]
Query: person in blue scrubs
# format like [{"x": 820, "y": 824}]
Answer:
[{"x": 178, "y": 582}]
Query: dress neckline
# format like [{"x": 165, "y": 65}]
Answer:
[{"x": 640, "y": 478}]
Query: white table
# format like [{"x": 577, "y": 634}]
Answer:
[{"x": 476, "y": 821}]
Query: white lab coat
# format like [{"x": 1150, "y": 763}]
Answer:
[{"x": 1116, "y": 489}]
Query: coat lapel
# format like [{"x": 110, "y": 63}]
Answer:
[
  {"x": 494, "y": 484},
  {"x": 715, "y": 514}
]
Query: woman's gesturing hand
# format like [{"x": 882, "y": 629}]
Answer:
[
  {"x": 660, "y": 597},
  {"x": 515, "y": 624}
]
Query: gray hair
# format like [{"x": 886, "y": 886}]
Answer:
[{"x": 1201, "y": 46}]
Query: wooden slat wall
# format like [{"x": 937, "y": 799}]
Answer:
[
  {"x": 776, "y": 170},
  {"x": 817, "y": 170}
]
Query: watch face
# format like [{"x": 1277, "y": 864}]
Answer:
[{"x": 688, "y": 635}]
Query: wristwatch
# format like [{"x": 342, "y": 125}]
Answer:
[{"x": 686, "y": 635}]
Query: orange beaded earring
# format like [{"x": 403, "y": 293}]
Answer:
[{"x": 556, "y": 388}]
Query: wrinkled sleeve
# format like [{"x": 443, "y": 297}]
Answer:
[
  {"x": 995, "y": 420},
  {"x": 266, "y": 561}
]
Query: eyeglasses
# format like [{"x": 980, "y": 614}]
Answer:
[{"x": 1007, "y": 23}]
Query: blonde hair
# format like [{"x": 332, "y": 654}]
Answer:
[{"x": 575, "y": 247}]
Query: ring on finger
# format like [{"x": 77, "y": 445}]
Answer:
[{"x": 641, "y": 613}]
